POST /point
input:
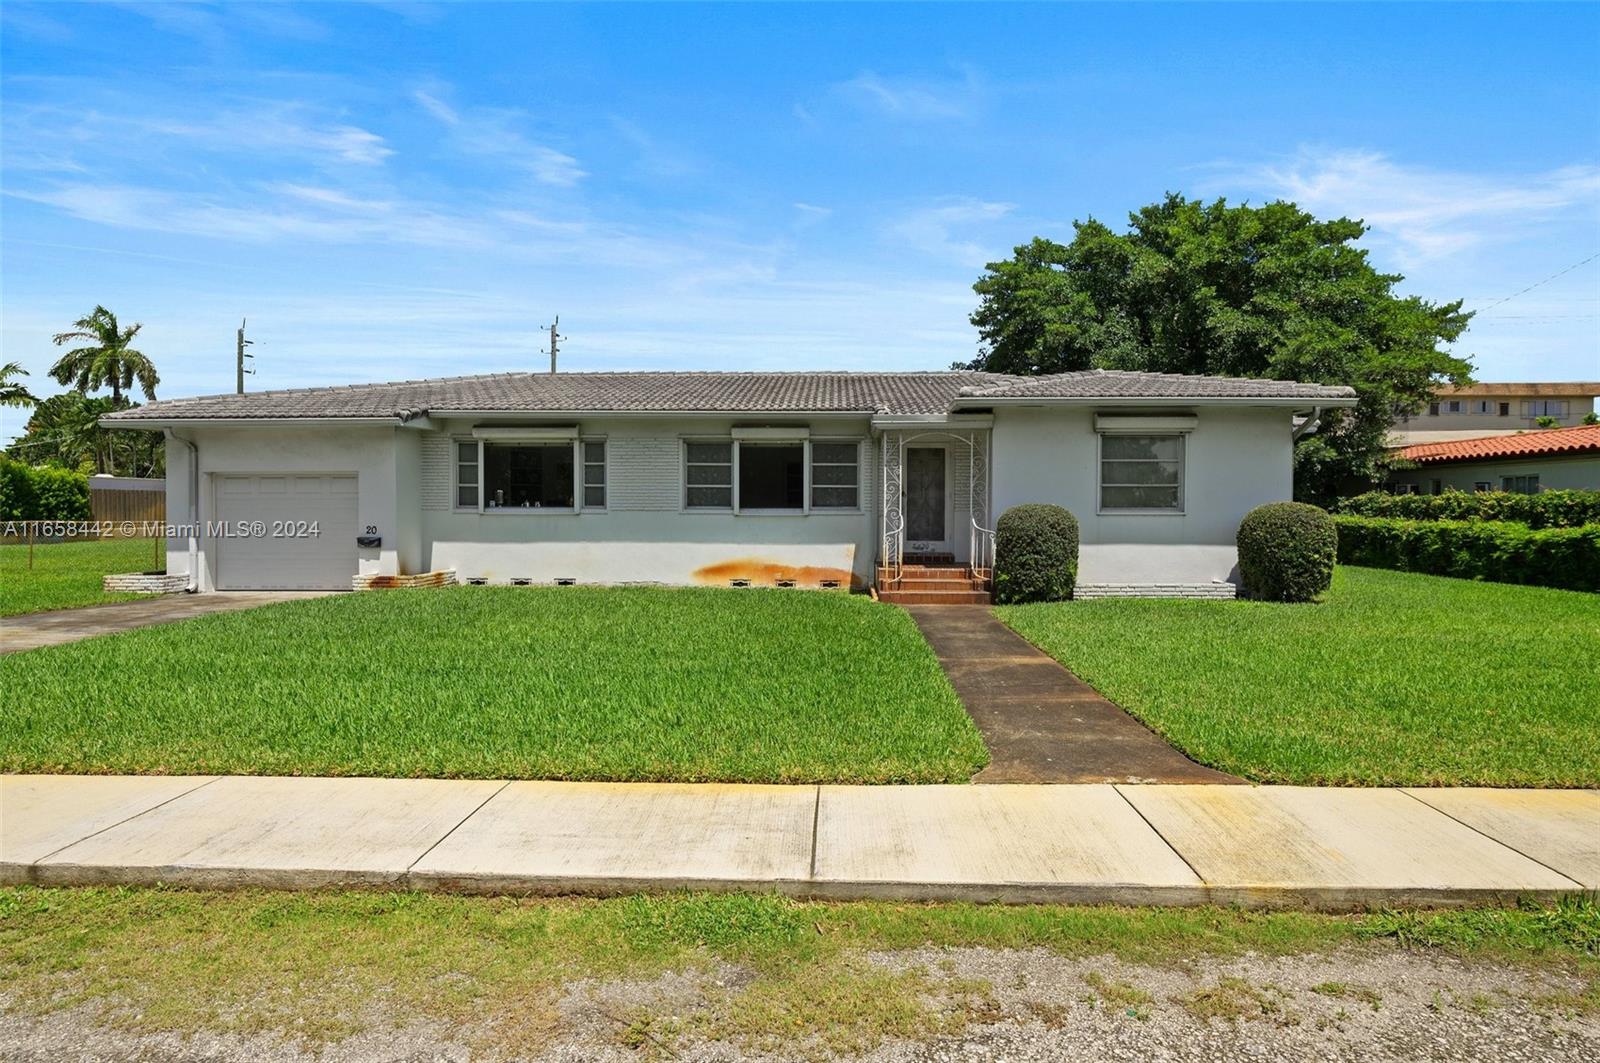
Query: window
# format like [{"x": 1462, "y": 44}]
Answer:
[
  {"x": 594, "y": 474},
  {"x": 1544, "y": 408},
  {"x": 708, "y": 475},
  {"x": 528, "y": 475},
  {"x": 835, "y": 475},
  {"x": 1455, "y": 406},
  {"x": 1483, "y": 406},
  {"x": 1520, "y": 485},
  {"x": 1141, "y": 472},
  {"x": 1433, "y": 409},
  {"x": 1481, "y": 486},
  {"x": 1505, "y": 409},
  {"x": 1436, "y": 487},
  {"x": 772, "y": 475},
  {"x": 467, "y": 474},
  {"x": 1404, "y": 489}
]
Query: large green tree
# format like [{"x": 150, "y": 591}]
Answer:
[
  {"x": 108, "y": 361},
  {"x": 1223, "y": 290}
]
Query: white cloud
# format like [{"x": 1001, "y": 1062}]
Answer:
[
  {"x": 912, "y": 99},
  {"x": 1428, "y": 213},
  {"x": 947, "y": 229},
  {"x": 492, "y": 133}
]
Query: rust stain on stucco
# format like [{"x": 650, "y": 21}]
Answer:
[{"x": 763, "y": 573}]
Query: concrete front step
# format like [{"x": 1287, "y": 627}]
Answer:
[
  {"x": 969, "y": 597},
  {"x": 965, "y": 583}
]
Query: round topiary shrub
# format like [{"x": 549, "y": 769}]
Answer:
[
  {"x": 1035, "y": 554},
  {"x": 1286, "y": 552}
]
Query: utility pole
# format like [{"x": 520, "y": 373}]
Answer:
[
  {"x": 554, "y": 341},
  {"x": 240, "y": 356}
]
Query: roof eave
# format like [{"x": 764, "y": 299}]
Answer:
[{"x": 1297, "y": 403}]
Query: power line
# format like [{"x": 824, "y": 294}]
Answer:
[{"x": 1536, "y": 284}]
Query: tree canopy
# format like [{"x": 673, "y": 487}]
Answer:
[
  {"x": 109, "y": 362},
  {"x": 1221, "y": 290},
  {"x": 14, "y": 392}
]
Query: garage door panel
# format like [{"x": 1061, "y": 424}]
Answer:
[{"x": 325, "y": 560}]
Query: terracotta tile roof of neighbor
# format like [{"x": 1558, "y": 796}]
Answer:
[
  {"x": 651, "y": 392},
  {"x": 1540, "y": 390},
  {"x": 1524, "y": 444}
]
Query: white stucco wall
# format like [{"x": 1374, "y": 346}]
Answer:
[
  {"x": 1574, "y": 473},
  {"x": 1234, "y": 460},
  {"x": 645, "y": 534},
  {"x": 372, "y": 454}
]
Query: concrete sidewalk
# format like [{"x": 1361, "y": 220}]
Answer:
[{"x": 1095, "y": 843}]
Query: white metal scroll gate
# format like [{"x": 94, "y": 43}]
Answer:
[{"x": 980, "y": 541}]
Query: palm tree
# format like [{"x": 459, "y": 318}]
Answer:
[
  {"x": 110, "y": 363},
  {"x": 12, "y": 391}
]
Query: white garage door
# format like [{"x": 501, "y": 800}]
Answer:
[{"x": 290, "y": 506}]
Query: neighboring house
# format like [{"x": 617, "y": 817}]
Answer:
[
  {"x": 1554, "y": 459},
  {"x": 1495, "y": 410},
  {"x": 806, "y": 479}
]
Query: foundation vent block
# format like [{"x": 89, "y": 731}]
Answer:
[
  {"x": 521, "y": 581},
  {"x": 738, "y": 583},
  {"x": 785, "y": 582},
  {"x": 829, "y": 584},
  {"x": 566, "y": 581},
  {"x": 477, "y": 581}
]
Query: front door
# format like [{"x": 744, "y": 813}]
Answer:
[{"x": 926, "y": 501}]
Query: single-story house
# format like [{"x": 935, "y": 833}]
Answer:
[
  {"x": 1527, "y": 463},
  {"x": 790, "y": 479}
]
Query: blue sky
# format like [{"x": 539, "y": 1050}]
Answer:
[{"x": 405, "y": 190}]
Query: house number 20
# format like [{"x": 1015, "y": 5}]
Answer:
[{"x": 372, "y": 529}]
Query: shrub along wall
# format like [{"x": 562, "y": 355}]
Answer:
[
  {"x": 1286, "y": 552},
  {"x": 1035, "y": 554},
  {"x": 1548, "y": 509},
  {"x": 1500, "y": 551},
  {"x": 29, "y": 492}
]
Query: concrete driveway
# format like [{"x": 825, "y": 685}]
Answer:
[{"x": 33, "y": 630}]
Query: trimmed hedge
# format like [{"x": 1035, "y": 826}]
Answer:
[
  {"x": 1035, "y": 554},
  {"x": 1498, "y": 551},
  {"x": 1548, "y": 509},
  {"x": 41, "y": 492},
  {"x": 1286, "y": 552}
]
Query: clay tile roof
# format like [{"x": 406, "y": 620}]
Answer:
[
  {"x": 1119, "y": 383},
  {"x": 701, "y": 392},
  {"x": 1522, "y": 445},
  {"x": 1538, "y": 390}
]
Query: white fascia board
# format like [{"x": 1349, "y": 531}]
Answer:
[
  {"x": 152, "y": 424},
  {"x": 744, "y": 415},
  {"x": 954, "y": 419}
]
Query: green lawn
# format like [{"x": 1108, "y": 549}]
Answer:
[
  {"x": 66, "y": 575},
  {"x": 317, "y": 968},
  {"x": 500, "y": 682},
  {"x": 1396, "y": 678}
]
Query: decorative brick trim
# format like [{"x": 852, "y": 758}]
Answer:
[
  {"x": 374, "y": 582},
  {"x": 1219, "y": 591},
  {"x": 144, "y": 582}
]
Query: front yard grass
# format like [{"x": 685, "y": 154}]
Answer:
[
  {"x": 1395, "y": 679},
  {"x": 500, "y": 682},
  {"x": 67, "y": 575},
  {"x": 321, "y": 967}
]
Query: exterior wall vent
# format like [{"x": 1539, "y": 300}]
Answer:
[
  {"x": 785, "y": 582},
  {"x": 477, "y": 581},
  {"x": 829, "y": 584},
  {"x": 566, "y": 581},
  {"x": 521, "y": 581},
  {"x": 738, "y": 583}
]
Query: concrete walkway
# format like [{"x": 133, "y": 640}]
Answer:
[
  {"x": 33, "y": 630},
  {"x": 1128, "y": 844},
  {"x": 1043, "y": 724}
]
